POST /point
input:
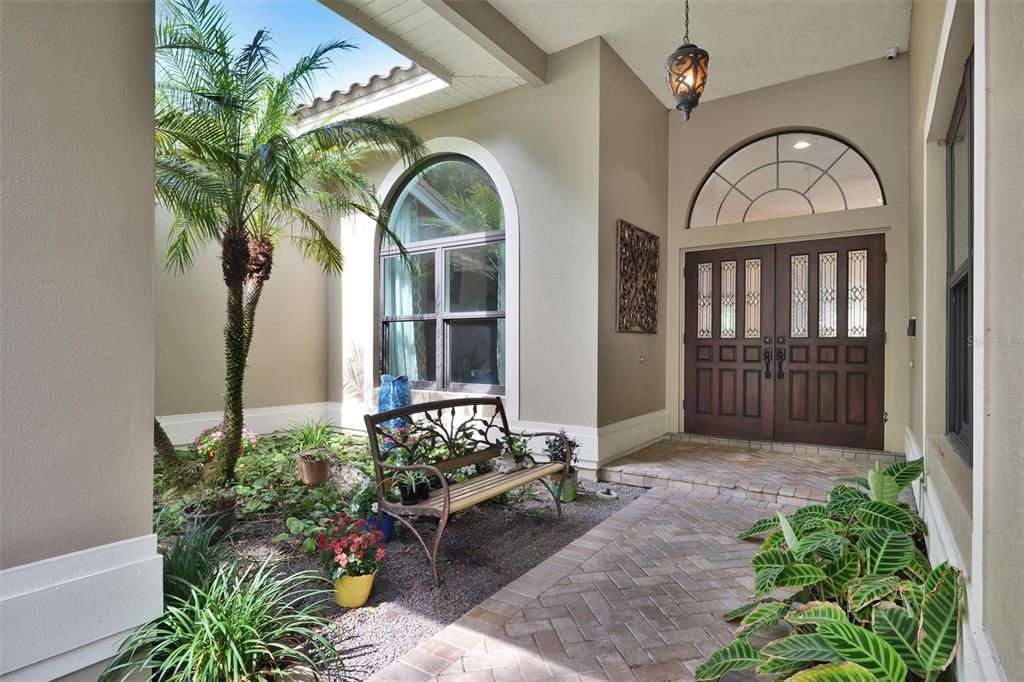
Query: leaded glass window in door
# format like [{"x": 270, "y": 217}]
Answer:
[{"x": 798, "y": 297}]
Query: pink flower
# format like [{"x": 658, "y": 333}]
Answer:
[
  {"x": 342, "y": 560},
  {"x": 380, "y": 554}
]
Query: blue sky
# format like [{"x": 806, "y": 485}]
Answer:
[{"x": 297, "y": 26}]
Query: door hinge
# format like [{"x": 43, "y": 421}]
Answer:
[
  {"x": 684, "y": 406},
  {"x": 885, "y": 337},
  {"x": 885, "y": 257}
]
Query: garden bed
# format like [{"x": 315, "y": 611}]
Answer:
[{"x": 485, "y": 548}]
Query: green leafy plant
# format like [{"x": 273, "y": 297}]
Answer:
[
  {"x": 191, "y": 560},
  {"x": 562, "y": 448},
  {"x": 312, "y": 435},
  {"x": 517, "y": 446},
  {"x": 860, "y": 596},
  {"x": 245, "y": 624},
  {"x": 235, "y": 171}
]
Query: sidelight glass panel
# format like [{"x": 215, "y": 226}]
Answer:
[
  {"x": 728, "y": 322},
  {"x": 798, "y": 297},
  {"x": 827, "y": 294},
  {"x": 704, "y": 300},
  {"x": 857, "y": 274},
  {"x": 752, "y": 300}
]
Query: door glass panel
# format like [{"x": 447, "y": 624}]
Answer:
[
  {"x": 752, "y": 309},
  {"x": 412, "y": 349},
  {"x": 728, "y": 322},
  {"x": 827, "y": 294},
  {"x": 857, "y": 274},
  {"x": 959, "y": 189},
  {"x": 704, "y": 300},
  {"x": 798, "y": 297}
]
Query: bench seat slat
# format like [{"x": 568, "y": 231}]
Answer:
[{"x": 478, "y": 489}]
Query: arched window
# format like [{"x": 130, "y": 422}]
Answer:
[
  {"x": 443, "y": 308},
  {"x": 788, "y": 174}
]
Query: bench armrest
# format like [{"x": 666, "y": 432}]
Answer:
[{"x": 529, "y": 435}]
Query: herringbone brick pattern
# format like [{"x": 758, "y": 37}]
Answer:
[
  {"x": 639, "y": 597},
  {"x": 777, "y": 472}
]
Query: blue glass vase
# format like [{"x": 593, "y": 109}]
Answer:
[{"x": 395, "y": 392}]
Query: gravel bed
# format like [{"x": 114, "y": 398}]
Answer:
[{"x": 484, "y": 548}]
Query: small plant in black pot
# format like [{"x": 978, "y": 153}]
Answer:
[
  {"x": 410, "y": 485},
  {"x": 564, "y": 449}
]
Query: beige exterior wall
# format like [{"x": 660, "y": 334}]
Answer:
[
  {"x": 546, "y": 141},
  {"x": 76, "y": 276},
  {"x": 288, "y": 359},
  {"x": 1003, "y": 248},
  {"x": 865, "y": 104},
  {"x": 633, "y": 187}
]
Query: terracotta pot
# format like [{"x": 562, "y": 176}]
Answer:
[
  {"x": 352, "y": 591},
  {"x": 313, "y": 471}
]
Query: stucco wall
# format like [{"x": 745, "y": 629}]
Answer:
[
  {"x": 633, "y": 187},
  {"x": 288, "y": 359},
  {"x": 546, "y": 141},
  {"x": 1004, "y": 325},
  {"x": 76, "y": 276},
  {"x": 865, "y": 104}
]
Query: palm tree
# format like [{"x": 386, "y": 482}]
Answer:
[{"x": 235, "y": 171}]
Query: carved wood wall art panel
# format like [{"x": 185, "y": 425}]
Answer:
[{"x": 637, "y": 279}]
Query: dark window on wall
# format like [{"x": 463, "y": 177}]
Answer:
[
  {"x": 959, "y": 219},
  {"x": 442, "y": 308}
]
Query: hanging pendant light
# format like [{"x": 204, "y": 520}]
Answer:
[{"x": 687, "y": 71}]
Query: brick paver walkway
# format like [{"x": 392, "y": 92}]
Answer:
[
  {"x": 772, "y": 472},
  {"x": 639, "y": 597}
]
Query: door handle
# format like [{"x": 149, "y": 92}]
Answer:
[
  {"x": 767, "y": 363},
  {"x": 780, "y": 355}
]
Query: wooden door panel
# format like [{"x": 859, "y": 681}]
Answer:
[
  {"x": 728, "y": 311},
  {"x": 820, "y": 304},
  {"x": 829, "y": 322}
]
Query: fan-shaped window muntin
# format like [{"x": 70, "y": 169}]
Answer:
[{"x": 784, "y": 175}]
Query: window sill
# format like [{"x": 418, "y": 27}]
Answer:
[{"x": 956, "y": 469}]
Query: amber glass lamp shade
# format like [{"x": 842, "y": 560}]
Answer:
[{"x": 687, "y": 71}]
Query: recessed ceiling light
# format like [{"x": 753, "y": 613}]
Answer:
[{"x": 802, "y": 144}]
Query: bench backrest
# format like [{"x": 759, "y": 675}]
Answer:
[{"x": 449, "y": 434}]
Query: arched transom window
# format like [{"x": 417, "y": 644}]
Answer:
[
  {"x": 784, "y": 175},
  {"x": 443, "y": 307}
]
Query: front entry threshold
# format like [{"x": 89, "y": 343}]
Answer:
[{"x": 858, "y": 454}]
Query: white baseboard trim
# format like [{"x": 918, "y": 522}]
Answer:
[
  {"x": 183, "y": 428},
  {"x": 977, "y": 661},
  {"x": 71, "y": 611},
  {"x": 599, "y": 446}
]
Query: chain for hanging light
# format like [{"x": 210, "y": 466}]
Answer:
[{"x": 687, "y": 70}]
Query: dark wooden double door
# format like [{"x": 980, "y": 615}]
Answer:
[{"x": 786, "y": 342}]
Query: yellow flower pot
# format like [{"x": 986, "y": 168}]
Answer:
[{"x": 352, "y": 591}]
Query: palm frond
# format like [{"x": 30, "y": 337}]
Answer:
[{"x": 375, "y": 134}]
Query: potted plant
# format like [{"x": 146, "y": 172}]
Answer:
[
  {"x": 311, "y": 441},
  {"x": 364, "y": 506},
  {"x": 313, "y": 466},
  {"x": 213, "y": 508},
  {"x": 564, "y": 449},
  {"x": 408, "y": 484},
  {"x": 352, "y": 554}
]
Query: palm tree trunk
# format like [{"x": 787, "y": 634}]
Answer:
[
  {"x": 234, "y": 263},
  {"x": 163, "y": 446}
]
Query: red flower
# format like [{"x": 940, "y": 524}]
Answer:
[{"x": 380, "y": 554}]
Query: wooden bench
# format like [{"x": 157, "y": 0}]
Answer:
[{"x": 467, "y": 432}]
